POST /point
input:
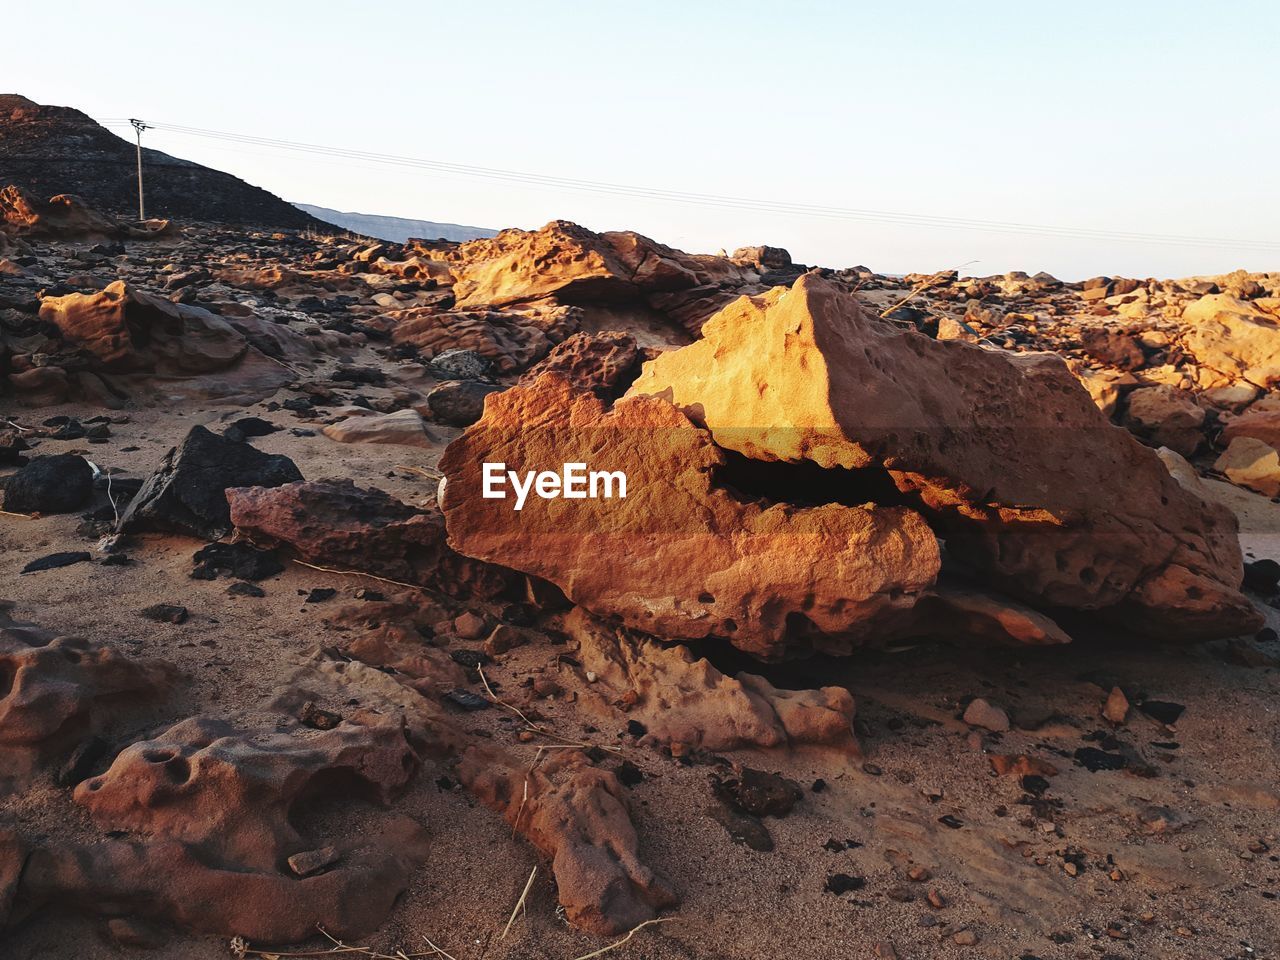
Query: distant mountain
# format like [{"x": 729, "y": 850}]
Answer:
[
  {"x": 395, "y": 229},
  {"x": 52, "y": 150}
]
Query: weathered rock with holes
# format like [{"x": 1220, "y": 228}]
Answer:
[
  {"x": 1004, "y": 453},
  {"x": 683, "y": 699},
  {"x": 568, "y": 264},
  {"x": 128, "y": 331},
  {"x": 510, "y": 340},
  {"x": 687, "y": 558},
  {"x": 602, "y": 362},
  {"x": 217, "y": 809},
  {"x": 577, "y": 815},
  {"x": 22, "y": 215},
  {"x": 57, "y": 691},
  {"x": 337, "y": 524}
]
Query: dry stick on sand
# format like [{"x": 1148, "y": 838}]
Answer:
[
  {"x": 357, "y": 573},
  {"x": 429, "y": 474},
  {"x": 10, "y": 513},
  {"x": 241, "y": 949},
  {"x": 519, "y": 904},
  {"x": 565, "y": 742},
  {"x": 634, "y": 930}
]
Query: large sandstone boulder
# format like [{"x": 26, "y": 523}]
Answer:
[
  {"x": 1166, "y": 417},
  {"x": 1234, "y": 340},
  {"x": 680, "y": 556},
  {"x": 1008, "y": 458}
]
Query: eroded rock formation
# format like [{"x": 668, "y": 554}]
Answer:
[
  {"x": 55, "y": 692},
  {"x": 682, "y": 556},
  {"x": 1003, "y": 453},
  {"x": 682, "y": 699},
  {"x": 576, "y": 814},
  {"x": 790, "y": 475}
]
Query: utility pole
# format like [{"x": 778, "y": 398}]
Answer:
[{"x": 139, "y": 126}]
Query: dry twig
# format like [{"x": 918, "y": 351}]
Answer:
[
  {"x": 519, "y": 903},
  {"x": 613, "y": 946},
  {"x": 357, "y": 573}
]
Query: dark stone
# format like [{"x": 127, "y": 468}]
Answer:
[
  {"x": 629, "y": 775},
  {"x": 1035, "y": 784},
  {"x": 55, "y": 560},
  {"x": 471, "y": 659},
  {"x": 459, "y": 403},
  {"x": 237, "y": 560},
  {"x": 321, "y": 594},
  {"x": 119, "y": 489},
  {"x": 1262, "y": 576},
  {"x": 56, "y": 484},
  {"x": 466, "y": 699},
  {"x": 947, "y": 820},
  {"x": 247, "y": 427},
  {"x": 1162, "y": 711},
  {"x": 317, "y": 719},
  {"x": 242, "y": 589},
  {"x": 164, "y": 613},
  {"x": 1093, "y": 759},
  {"x": 11, "y": 447},
  {"x": 841, "y": 883},
  {"x": 636, "y": 728},
  {"x": 188, "y": 493},
  {"x": 743, "y": 827}
]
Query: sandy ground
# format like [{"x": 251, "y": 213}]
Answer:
[{"x": 1177, "y": 840}]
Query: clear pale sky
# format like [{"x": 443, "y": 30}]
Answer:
[{"x": 1137, "y": 116}]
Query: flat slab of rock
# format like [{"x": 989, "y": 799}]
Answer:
[{"x": 404, "y": 426}]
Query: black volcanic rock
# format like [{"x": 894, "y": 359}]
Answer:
[
  {"x": 56, "y": 484},
  {"x": 55, "y": 150},
  {"x": 188, "y": 494}
]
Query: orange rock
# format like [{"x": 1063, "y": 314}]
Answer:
[
  {"x": 1009, "y": 458},
  {"x": 572, "y": 265},
  {"x": 1021, "y": 765},
  {"x": 679, "y": 556},
  {"x": 577, "y": 815}
]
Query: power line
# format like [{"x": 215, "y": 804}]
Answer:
[{"x": 711, "y": 200}]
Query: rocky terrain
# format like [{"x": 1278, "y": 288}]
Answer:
[{"x": 939, "y": 618}]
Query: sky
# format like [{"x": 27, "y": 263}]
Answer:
[{"x": 1148, "y": 117}]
